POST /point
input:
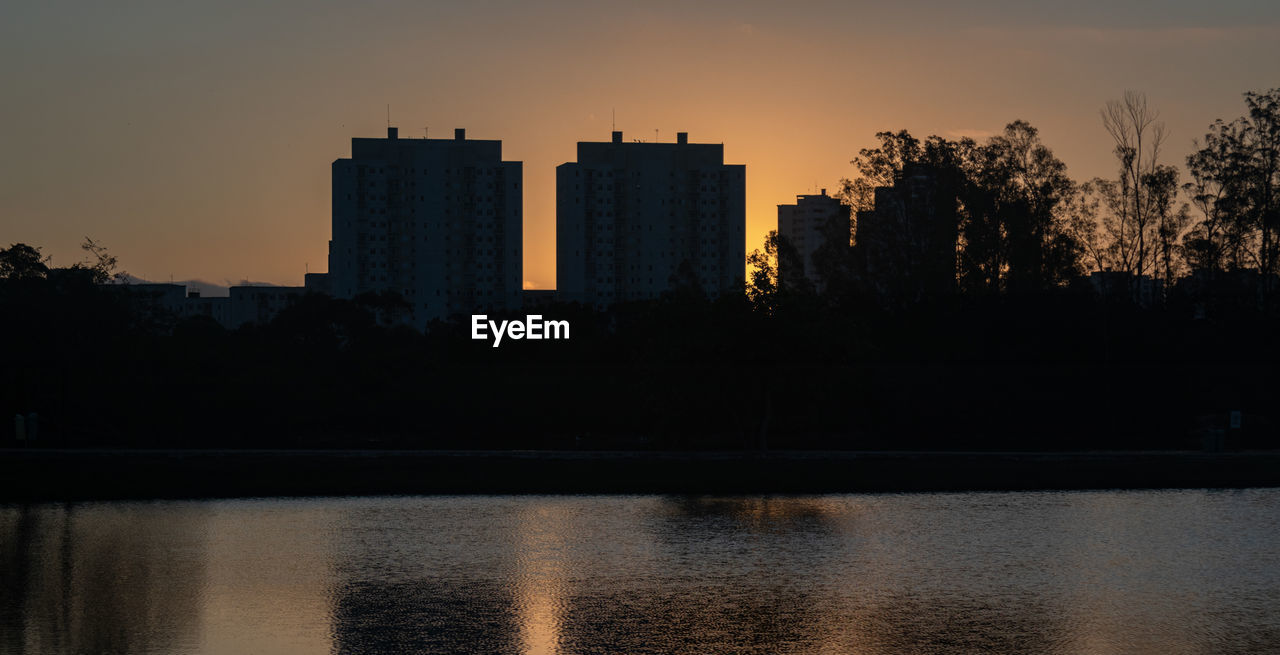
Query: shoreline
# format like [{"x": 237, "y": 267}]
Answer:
[{"x": 49, "y": 475}]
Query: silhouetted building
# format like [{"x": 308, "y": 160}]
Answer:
[
  {"x": 158, "y": 305},
  {"x": 317, "y": 283},
  {"x": 538, "y": 298},
  {"x": 164, "y": 304},
  {"x": 806, "y": 225},
  {"x": 217, "y": 308},
  {"x": 1223, "y": 293},
  {"x": 907, "y": 243},
  {"x": 154, "y": 297},
  {"x": 250, "y": 304},
  {"x": 437, "y": 221},
  {"x": 1141, "y": 290},
  {"x": 636, "y": 219}
]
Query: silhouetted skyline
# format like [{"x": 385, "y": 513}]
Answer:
[
  {"x": 637, "y": 220},
  {"x": 194, "y": 141}
]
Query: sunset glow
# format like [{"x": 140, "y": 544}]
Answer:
[{"x": 196, "y": 141}]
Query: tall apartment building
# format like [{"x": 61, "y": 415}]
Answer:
[
  {"x": 807, "y": 224},
  {"x": 636, "y": 219},
  {"x": 435, "y": 220},
  {"x": 907, "y": 243}
]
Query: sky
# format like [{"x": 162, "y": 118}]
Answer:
[{"x": 194, "y": 139}]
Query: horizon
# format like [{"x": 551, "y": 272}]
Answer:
[{"x": 263, "y": 103}]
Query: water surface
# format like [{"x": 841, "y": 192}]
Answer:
[{"x": 1045, "y": 572}]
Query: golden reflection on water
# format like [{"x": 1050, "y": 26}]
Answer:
[
  {"x": 542, "y": 533},
  {"x": 1064, "y": 573},
  {"x": 269, "y": 571}
]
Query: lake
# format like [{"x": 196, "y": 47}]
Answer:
[{"x": 1167, "y": 572}]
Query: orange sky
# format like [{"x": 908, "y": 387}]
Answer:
[{"x": 195, "y": 141}]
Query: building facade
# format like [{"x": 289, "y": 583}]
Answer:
[
  {"x": 634, "y": 220},
  {"x": 907, "y": 243},
  {"x": 437, "y": 221},
  {"x": 260, "y": 304},
  {"x": 166, "y": 304},
  {"x": 807, "y": 225}
]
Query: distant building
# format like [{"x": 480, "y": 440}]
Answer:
[
  {"x": 217, "y": 308},
  {"x": 164, "y": 304},
  {"x": 538, "y": 298},
  {"x": 907, "y": 243},
  {"x": 437, "y": 221},
  {"x": 1142, "y": 290},
  {"x": 158, "y": 300},
  {"x": 259, "y": 305},
  {"x": 806, "y": 226},
  {"x": 317, "y": 283},
  {"x": 1223, "y": 293},
  {"x": 634, "y": 220}
]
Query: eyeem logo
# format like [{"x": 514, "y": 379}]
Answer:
[{"x": 533, "y": 327}]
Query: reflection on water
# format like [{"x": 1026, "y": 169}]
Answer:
[
  {"x": 1085, "y": 572},
  {"x": 65, "y": 573}
]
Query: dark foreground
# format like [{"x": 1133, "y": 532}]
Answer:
[{"x": 109, "y": 474}]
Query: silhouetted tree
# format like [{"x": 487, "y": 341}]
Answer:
[
  {"x": 1131, "y": 222},
  {"x": 1217, "y": 242},
  {"x": 905, "y": 244},
  {"x": 326, "y": 324},
  {"x": 882, "y": 166},
  {"x": 1014, "y": 236},
  {"x": 766, "y": 289},
  {"x": 858, "y": 193},
  {"x": 996, "y": 208},
  {"x": 1084, "y": 210},
  {"x": 21, "y": 262},
  {"x": 1171, "y": 223},
  {"x": 103, "y": 264},
  {"x": 1236, "y": 186},
  {"x": 1264, "y": 129}
]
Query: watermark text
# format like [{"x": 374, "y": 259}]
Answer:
[{"x": 532, "y": 328}]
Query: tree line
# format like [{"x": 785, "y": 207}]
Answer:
[
  {"x": 1004, "y": 217},
  {"x": 949, "y": 313}
]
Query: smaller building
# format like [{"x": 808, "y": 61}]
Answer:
[
  {"x": 807, "y": 225},
  {"x": 217, "y": 308},
  {"x": 155, "y": 298},
  {"x": 164, "y": 304},
  {"x": 906, "y": 244},
  {"x": 1223, "y": 293},
  {"x": 538, "y": 298},
  {"x": 154, "y": 306},
  {"x": 1141, "y": 290},
  {"x": 260, "y": 304},
  {"x": 317, "y": 283}
]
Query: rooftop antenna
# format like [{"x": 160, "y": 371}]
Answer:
[
  {"x": 655, "y": 135},
  {"x": 425, "y": 133}
]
